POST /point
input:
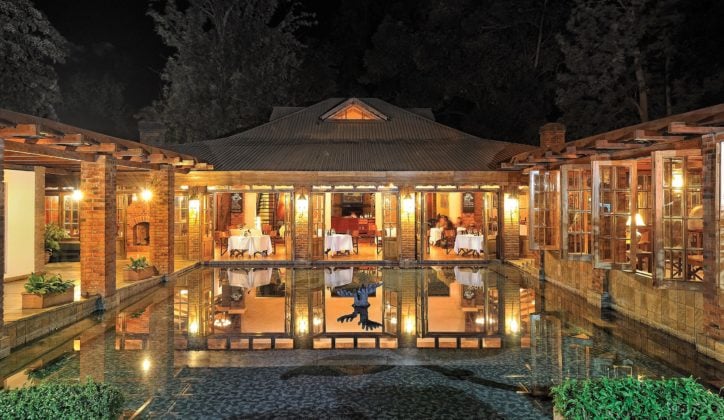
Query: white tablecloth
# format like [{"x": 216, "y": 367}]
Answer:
[
  {"x": 435, "y": 235},
  {"x": 338, "y": 242},
  {"x": 252, "y": 244},
  {"x": 461, "y": 230},
  {"x": 468, "y": 277},
  {"x": 249, "y": 279},
  {"x": 470, "y": 242},
  {"x": 338, "y": 277}
]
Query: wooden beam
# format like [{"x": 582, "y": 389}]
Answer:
[
  {"x": 98, "y": 148},
  {"x": 607, "y": 145},
  {"x": 653, "y": 135},
  {"x": 39, "y": 150},
  {"x": 20, "y": 130},
  {"x": 683, "y": 128}
]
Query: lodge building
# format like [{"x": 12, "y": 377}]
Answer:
[{"x": 629, "y": 219}]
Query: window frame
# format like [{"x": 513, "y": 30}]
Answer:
[
  {"x": 555, "y": 211},
  {"x": 596, "y": 213},
  {"x": 564, "y": 212},
  {"x": 659, "y": 276}
]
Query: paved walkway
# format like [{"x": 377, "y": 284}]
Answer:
[{"x": 12, "y": 298}]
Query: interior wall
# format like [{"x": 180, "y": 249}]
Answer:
[
  {"x": 378, "y": 210},
  {"x": 250, "y": 209},
  {"x": 455, "y": 200},
  {"x": 328, "y": 212},
  {"x": 19, "y": 223}
]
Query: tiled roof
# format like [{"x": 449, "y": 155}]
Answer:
[{"x": 301, "y": 141}]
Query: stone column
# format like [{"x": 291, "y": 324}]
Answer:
[
  {"x": 162, "y": 219},
  {"x": 407, "y": 236},
  {"x": 98, "y": 227},
  {"x": 39, "y": 219},
  {"x": 510, "y": 222},
  {"x": 712, "y": 342},
  {"x": 301, "y": 223}
]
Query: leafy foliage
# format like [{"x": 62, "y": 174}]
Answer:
[
  {"x": 29, "y": 47},
  {"x": 41, "y": 285},
  {"x": 232, "y": 62},
  {"x": 53, "y": 235},
  {"x": 138, "y": 264},
  {"x": 89, "y": 400},
  {"x": 629, "y": 398}
]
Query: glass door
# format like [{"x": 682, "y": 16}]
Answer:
[
  {"x": 390, "y": 222},
  {"x": 317, "y": 225}
]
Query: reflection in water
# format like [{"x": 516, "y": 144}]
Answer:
[
  {"x": 360, "y": 306},
  {"x": 545, "y": 334}
]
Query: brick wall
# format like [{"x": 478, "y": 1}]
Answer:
[
  {"x": 511, "y": 224},
  {"x": 98, "y": 227},
  {"x": 552, "y": 134},
  {"x": 39, "y": 218},
  {"x": 162, "y": 220}
]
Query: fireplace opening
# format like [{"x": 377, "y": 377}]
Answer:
[{"x": 141, "y": 234}]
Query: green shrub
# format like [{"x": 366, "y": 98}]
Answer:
[
  {"x": 89, "y": 400},
  {"x": 53, "y": 235},
  {"x": 138, "y": 264},
  {"x": 41, "y": 285},
  {"x": 676, "y": 398}
]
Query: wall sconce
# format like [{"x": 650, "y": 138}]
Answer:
[
  {"x": 408, "y": 204},
  {"x": 677, "y": 181},
  {"x": 146, "y": 194},
  {"x": 302, "y": 325},
  {"x": 302, "y": 203},
  {"x": 510, "y": 204},
  {"x": 77, "y": 195}
]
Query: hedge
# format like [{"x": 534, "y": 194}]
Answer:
[
  {"x": 630, "y": 398},
  {"x": 89, "y": 400}
]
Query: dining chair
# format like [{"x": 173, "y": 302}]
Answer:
[
  {"x": 355, "y": 241},
  {"x": 378, "y": 239}
]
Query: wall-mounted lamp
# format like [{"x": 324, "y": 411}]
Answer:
[
  {"x": 146, "y": 194},
  {"x": 77, "y": 195},
  {"x": 302, "y": 325},
  {"x": 510, "y": 204},
  {"x": 677, "y": 181},
  {"x": 408, "y": 204},
  {"x": 409, "y": 324},
  {"x": 513, "y": 326},
  {"x": 302, "y": 203}
]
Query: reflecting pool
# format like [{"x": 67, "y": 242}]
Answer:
[{"x": 358, "y": 341}]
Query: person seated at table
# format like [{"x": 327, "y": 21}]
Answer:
[
  {"x": 353, "y": 215},
  {"x": 448, "y": 223}
]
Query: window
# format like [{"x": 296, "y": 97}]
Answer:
[
  {"x": 613, "y": 209},
  {"x": 576, "y": 226},
  {"x": 544, "y": 209},
  {"x": 679, "y": 216},
  {"x": 52, "y": 210},
  {"x": 642, "y": 223},
  {"x": 71, "y": 215}
]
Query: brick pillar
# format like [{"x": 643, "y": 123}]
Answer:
[
  {"x": 98, "y": 227},
  {"x": 39, "y": 219},
  {"x": 713, "y": 287},
  {"x": 552, "y": 134},
  {"x": 407, "y": 236},
  {"x": 162, "y": 219},
  {"x": 301, "y": 224},
  {"x": 196, "y": 197},
  {"x": 511, "y": 222}
]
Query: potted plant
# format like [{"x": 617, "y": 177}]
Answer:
[
  {"x": 42, "y": 292},
  {"x": 53, "y": 235},
  {"x": 139, "y": 269}
]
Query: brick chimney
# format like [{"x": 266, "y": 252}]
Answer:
[
  {"x": 151, "y": 132},
  {"x": 552, "y": 134}
]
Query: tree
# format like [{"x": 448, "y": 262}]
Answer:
[
  {"x": 232, "y": 62},
  {"x": 29, "y": 47},
  {"x": 483, "y": 67},
  {"x": 618, "y": 56}
]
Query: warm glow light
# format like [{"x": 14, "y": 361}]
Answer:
[
  {"x": 302, "y": 325},
  {"x": 146, "y": 194},
  {"x": 77, "y": 195},
  {"x": 480, "y": 320},
  {"x": 639, "y": 220},
  {"x": 316, "y": 321},
  {"x": 510, "y": 204},
  {"x": 76, "y": 344},
  {"x": 410, "y": 324},
  {"x": 302, "y": 203},
  {"x": 408, "y": 204},
  {"x": 193, "y": 327},
  {"x": 393, "y": 320},
  {"x": 146, "y": 364},
  {"x": 194, "y": 205},
  {"x": 184, "y": 187},
  {"x": 677, "y": 181},
  {"x": 183, "y": 292},
  {"x": 513, "y": 326}
]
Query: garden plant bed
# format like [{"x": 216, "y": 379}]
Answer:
[
  {"x": 36, "y": 301},
  {"x": 142, "y": 274}
]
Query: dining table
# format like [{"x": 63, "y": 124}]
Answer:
[
  {"x": 469, "y": 277},
  {"x": 470, "y": 243},
  {"x": 336, "y": 277},
  {"x": 435, "y": 235},
  {"x": 259, "y": 244},
  {"x": 338, "y": 242}
]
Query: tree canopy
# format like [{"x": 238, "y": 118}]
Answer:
[{"x": 29, "y": 47}]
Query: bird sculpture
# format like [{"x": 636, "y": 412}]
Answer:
[{"x": 360, "y": 306}]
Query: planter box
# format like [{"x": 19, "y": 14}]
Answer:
[
  {"x": 130, "y": 275},
  {"x": 33, "y": 301}
]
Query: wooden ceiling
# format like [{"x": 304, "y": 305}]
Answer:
[
  {"x": 34, "y": 141},
  {"x": 682, "y": 131}
]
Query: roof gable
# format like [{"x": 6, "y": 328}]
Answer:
[{"x": 353, "y": 109}]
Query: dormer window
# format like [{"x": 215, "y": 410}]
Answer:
[{"x": 353, "y": 110}]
